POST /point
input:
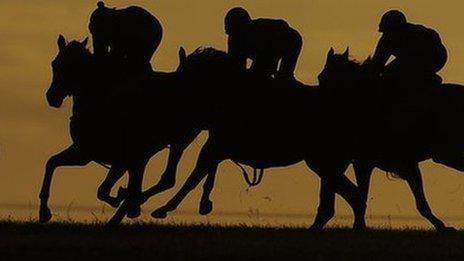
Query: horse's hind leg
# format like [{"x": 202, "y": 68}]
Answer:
[
  {"x": 104, "y": 191},
  {"x": 131, "y": 206},
  {"x": 414, "y": 179},
  {"x": 168, "y": 178},
  {"x": 69, "y": 157},
  {"x": 363, "y": 173},
  {"x": 207, "y": 162}
]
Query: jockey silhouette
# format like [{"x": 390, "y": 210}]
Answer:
[
  {"x": 130, "y": 35},
  {"x": 419, "y": 55},
  {"x": 419, "y": 52},
  {"x": 264, "y": 41}
]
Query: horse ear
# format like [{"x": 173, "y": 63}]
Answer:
[
  {"x": 330, "y": 54},
  {"x": 85, "y": 41},
  {"x": 346, "y": 54},
  {"x": 182, "y": 55},
  {"x": 61, "y": 42}
]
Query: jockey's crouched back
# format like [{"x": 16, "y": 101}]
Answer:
[
  {"x": 419, "y": 52},
  {"x": 131, "y": 35}
]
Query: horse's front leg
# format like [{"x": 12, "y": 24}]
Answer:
[
  {"x": 69, "y": 157},
  {"x": 414, "y": 179},
  {"x": 326, "y": 209},
  {"x": 333, "y": 180},
  {"x": 206, "y": 205}
]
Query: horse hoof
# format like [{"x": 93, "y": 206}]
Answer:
[
  {"x": 359, "y": 227},
  {"x": 206, "y": 207},
  {"x": 44, "y": 215},
  {"x": 447, "y": 230},
  {"x": 134, "y": 212},
  {"x": 159, "y": 213},
  {"x": 113, "y": 222},
  {"x": 316, "y": 228}
]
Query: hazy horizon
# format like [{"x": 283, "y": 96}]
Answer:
[{"x": 30, "y": 131}]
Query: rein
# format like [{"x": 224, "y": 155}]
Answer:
[
  {"x": 257, "y": 175},
  {"x": 103, "y": 165}
]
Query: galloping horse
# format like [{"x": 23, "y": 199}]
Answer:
[
  {"x": 117, "y": 122},
  {"x": 264, "y": 123},
  {"x": 382, "y": 137}
]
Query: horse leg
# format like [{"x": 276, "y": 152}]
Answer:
[
  {"x": 168, "y": 178},
  {"x": 206, "y": 205},
  {"x": 104, "y": 191},
  {"x": 207, "y": 162},
  {"x": 363, "y": 175},
  {"x": 134, "y": 188},
  {"x": 345, "y": 188},
  {"x": 332, "y": 179},
  {"x": 414, "y": 179},
  {"x": 326, "y": 209},
  {"x": 69, "y": 157},
  {"x": 131, "y": 206}
]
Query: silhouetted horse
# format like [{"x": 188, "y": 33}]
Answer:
[
  {"x": 263, "y": 123},
  {"x": 117, "y": 121},
  {"x": 383, "y": 139}
]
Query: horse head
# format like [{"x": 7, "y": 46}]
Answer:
[
  {"x": 338, "y": 69},
  {"x": 68, "y": 68}
]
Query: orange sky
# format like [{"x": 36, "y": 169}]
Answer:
[{"x": 30, "y": 131}]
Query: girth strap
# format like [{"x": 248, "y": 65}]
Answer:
[{"x": 257, "y": 175}]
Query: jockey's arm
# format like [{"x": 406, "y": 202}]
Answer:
[
  {"x": 100, "y": 46},
  {"x": 382, "y": 53},
  {"x": 237, "y": 52}
]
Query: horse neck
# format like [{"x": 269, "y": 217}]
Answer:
[
  {"x": 88, "y": 95},
  {"x": 353, "y": 85}
]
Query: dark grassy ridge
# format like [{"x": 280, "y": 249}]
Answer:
[{"x": 61, "y": 241}]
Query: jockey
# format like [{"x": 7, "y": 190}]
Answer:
[
  {"x": 418, "y": 51},
  {"x": 130, "y": 35},
  {"x": 264, "y": 41}
]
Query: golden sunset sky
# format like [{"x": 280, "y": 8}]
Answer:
[{"x": 30, "y": 131}]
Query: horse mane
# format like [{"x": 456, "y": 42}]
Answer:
[
  {"x": 211, "y": 60},
  {"x": 358, "y": 69},
  {"x": 208, "y": 53},
  {"x": 353, "y": 63}
]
